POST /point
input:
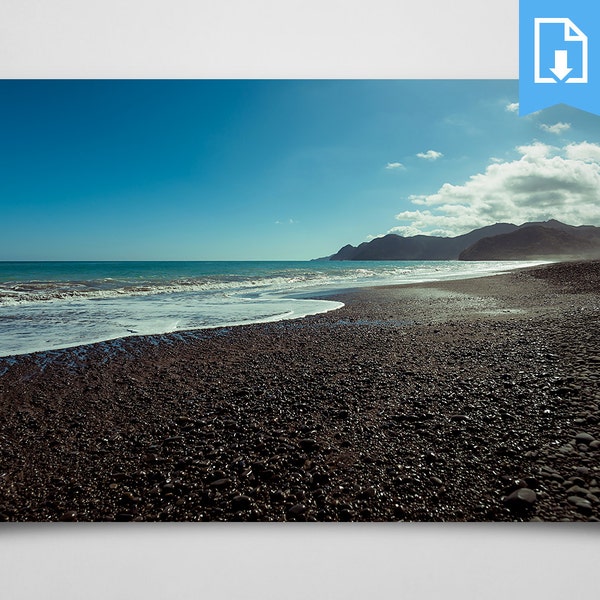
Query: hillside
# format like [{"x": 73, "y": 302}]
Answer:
[
  {"x": 537, "y": 242},
  {"x": 501, "y": 241}
]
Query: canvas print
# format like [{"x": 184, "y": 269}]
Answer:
[{"x": 297, "y": 301}]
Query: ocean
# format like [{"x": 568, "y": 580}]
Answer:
[{"x": 52, "y": 305}]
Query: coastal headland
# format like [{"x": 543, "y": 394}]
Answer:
[{"x": 470, "y": 400}]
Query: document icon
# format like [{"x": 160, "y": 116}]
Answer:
[{"x": 561, "y": 51}]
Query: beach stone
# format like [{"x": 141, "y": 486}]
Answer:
[
  {"x": 581, "y": 504},
  {"x": 577, "y": 490},
  {"x": 320, "y": 478},
  {"x": 346, "y": 515},
  {"x": 398, "y": 511},
  {"x": 584, "y": 438},
  {"x": 532, "y": 482},
  {"x": 308, "y": 444},
  {"x": 128, "y": 497},
  {"x": 220, "y": 483},
  {"x": 277, "y": 496},
  {"x": 296, "y": 511},
  {"x": 520, "y": 499},
  {"x": 69, "y": 516},
  {"x": 122, "y": 517},
  {"x": 173, "y": 440},
  {"x": 430, "y": 456},
  {"x": 267, "y": 475},
  {"x": 367, "y": 493},
  {"x": 241, "y": 502}
]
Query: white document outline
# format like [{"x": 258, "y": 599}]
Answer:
[{"x": 578, "y": 37}]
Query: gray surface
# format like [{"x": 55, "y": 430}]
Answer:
[{"x": 297, "y": 562}]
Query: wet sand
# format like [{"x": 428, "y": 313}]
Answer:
[{"x": 472, "y": 400}]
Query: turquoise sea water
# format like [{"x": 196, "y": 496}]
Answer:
[{"x": 49, "y": 305}]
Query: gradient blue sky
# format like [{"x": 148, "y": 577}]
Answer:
[{"x": 235, "y": 170}]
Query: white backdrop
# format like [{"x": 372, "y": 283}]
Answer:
[
  {"x": 259, "y": 38},
  {"x": 295, "y": 39}
]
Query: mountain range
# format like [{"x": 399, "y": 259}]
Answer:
[{"x": 501, "y": 241}]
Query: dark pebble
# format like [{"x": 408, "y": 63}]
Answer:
[
  {"x": 308, "y": 444},
  {"x": 220, "y": 483},
  {"x": 296, "y": 511},
  {"x": 584, "y": 438},
  {"x": 277, "y": 496},
  {"x": 173, "y": 440},
  {"x": 122, "y": 517},
  {"x": 520, "y": 499},
  {"x": 346, "y": 515},
  {"x": 69, "y": 516},
  {"x": 241, "y": 502},
  {"x": 581, "y": 504},
  {"x": 577, "y": 490}
]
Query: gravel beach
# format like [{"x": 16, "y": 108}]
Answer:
[{"x": 471, "y": 400}]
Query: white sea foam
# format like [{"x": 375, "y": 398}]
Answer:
[{"x": 43, "y": 315}]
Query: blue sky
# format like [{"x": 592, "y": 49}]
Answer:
[{"x": 235, "y": 170}]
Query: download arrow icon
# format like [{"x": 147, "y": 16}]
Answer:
[{"x": 560, "y": 69}]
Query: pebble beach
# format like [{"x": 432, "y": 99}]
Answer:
[{"x": 466, "y": 400}]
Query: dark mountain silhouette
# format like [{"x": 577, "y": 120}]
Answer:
[
  {"x": 502, "y": 241},
  {"x": 418, "y": 247},
  {"x": 549, "y": 240}
]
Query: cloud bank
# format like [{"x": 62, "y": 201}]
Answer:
[{"x": 545, "y": 182}]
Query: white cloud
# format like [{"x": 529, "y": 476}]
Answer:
[
  {"x": 430, "y": 155},
  {"x": 407, "y": 231},
  {"x": 557, "y": 128},
  {"x": 584, "y": 151},
  {"x": 394, "y": 165},
  {"x": 546, "y": 182},
  {"x": 536, "y": 150},
  {"x": 512, "y": 107}
]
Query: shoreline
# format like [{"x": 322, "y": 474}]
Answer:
[
  {"x": 325, "y": 295},
  {"x": 431, "y": 401}
]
